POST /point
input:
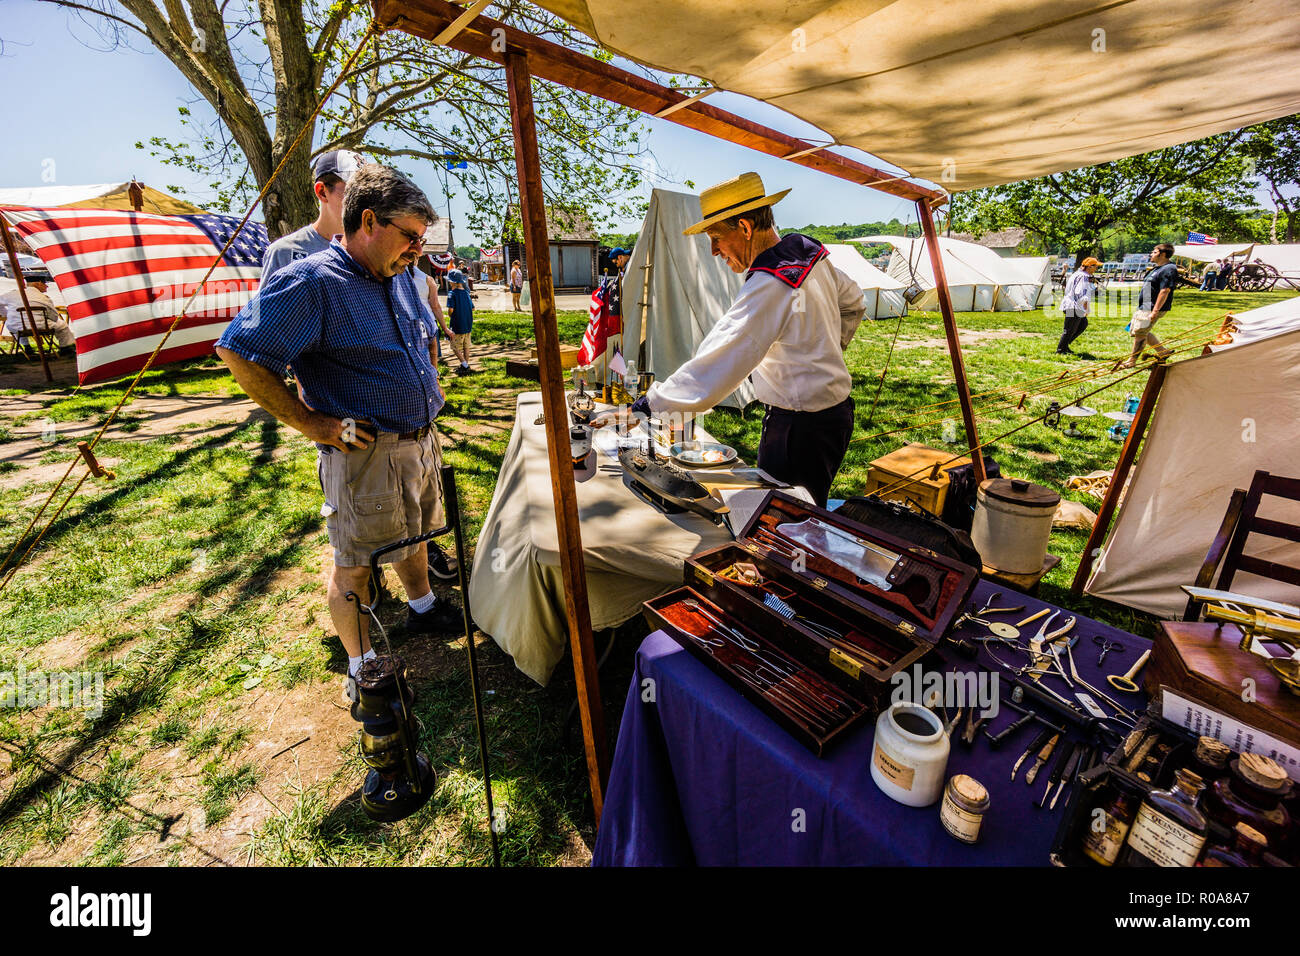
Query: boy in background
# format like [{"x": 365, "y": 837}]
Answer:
[{"x": 461, "y": 309}]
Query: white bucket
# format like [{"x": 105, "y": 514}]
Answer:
[{"x": 1012, "y": 524}]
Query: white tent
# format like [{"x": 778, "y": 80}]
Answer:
[
  {"x": 675, "y": 289},
  {"x": 1284, "y": 257},
  {"x": 1220, "y": 417},
  {"x": 1035, "y": 270},
  {"x": 883, "y": 293},
  {"x": 1261, "y": 323},
  {"x": 979, "y": 280}
]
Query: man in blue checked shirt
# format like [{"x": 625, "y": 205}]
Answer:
[{"x": 350, "y": 323}]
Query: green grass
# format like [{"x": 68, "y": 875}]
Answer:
[{"x": 192, "y": 582}]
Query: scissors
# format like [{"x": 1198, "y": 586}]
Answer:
[{"x": 1106, "y": 647}]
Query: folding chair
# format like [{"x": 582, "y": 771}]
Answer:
[{"x": 1239, "y": 522}]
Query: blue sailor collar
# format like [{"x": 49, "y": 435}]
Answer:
[{"x": 790, "y": 260}]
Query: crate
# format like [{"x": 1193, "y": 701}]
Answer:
[{"x": 928, "y": 490}]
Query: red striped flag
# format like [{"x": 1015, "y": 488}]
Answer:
[
  {"x": 125, "y": 276},
  {"x": 600, "y": 326}
]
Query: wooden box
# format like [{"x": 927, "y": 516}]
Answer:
[
  {"x": 895, "y": 476},
  {"x": 568, "y": 356},
  {"x": 1204, "y": 661},
  {"x": 848, "y": 630}
]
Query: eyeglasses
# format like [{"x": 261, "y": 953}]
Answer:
[{"x": 412, "y": 238}]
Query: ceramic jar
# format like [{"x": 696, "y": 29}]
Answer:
[{"x": 910, "y": 754}]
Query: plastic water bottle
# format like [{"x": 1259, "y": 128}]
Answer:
[{"x": 630, "y": 380}]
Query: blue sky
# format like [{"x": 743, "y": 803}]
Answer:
[{"x": 85, "y": 109}]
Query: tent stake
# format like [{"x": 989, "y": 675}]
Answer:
[
  {"x": 1127, "y": 455},
  {"x": 954, "y": 342},
  {"x": 22, "y": 292},
  {"x": 532, "y": 208}
]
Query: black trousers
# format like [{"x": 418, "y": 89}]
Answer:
[
  {"x": 1074, "y": 326},
  {"x": 806, "y": 448}
]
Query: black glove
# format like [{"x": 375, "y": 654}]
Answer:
[{"x": 641, "y": 406}]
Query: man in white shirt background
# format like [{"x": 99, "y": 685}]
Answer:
[
  {"x": 1076, "y": 303},
  {"x": 45, "y": 315},
  {"x": 786, "y": 330}
]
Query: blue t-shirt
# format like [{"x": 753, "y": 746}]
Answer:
[
  {"x": 358, "y": 346},
  {"x": 461, "y": 309}
]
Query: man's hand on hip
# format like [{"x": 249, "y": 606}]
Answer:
[{"x": 344, "y": 434}]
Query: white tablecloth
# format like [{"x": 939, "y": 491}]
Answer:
[{"x": 632, "y": 551}]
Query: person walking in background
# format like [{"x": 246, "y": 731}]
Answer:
[
  {"x": 1154, "y": 300},
  {"x": 516, "y": 283},
  {"x": 1211, "y": 275},
  {"x": 461, "y": 308},
  {"x": 1077, "y": 303}
]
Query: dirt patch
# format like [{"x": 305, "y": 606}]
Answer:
[{"x": 968, "y": 339}]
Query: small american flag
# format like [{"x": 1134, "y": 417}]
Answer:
[
  {"x": 126, "y": 275},
  {"x": 600, "y": 326},
  {"x": 1201, "y": 239}
]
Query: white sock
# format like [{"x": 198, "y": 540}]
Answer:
[
  {"x": 353, "y": 664},
  {"x": 422, "y": 604},
  {"x": 368, "y": 654}
]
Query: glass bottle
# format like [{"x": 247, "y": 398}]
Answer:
[
  {"x": 1107, "y": 826},
  {"x": 1252, "y": 794},
  {"x": 1169, "y": 830},
  {"x": 1248, "y": 846},
  {"x": 1211, "y": 760}
]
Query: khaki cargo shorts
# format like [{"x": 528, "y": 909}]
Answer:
[{"x": 378, "y": 495}]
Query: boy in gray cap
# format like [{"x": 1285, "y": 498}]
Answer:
[{"x": 331, "y": 171}]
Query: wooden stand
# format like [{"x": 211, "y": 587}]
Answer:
[
  {"x": 1025, "y": 583},
  {"x": 1205, "y": 661}
]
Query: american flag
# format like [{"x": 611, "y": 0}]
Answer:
[
  {"x": 601, "y": 324},
  {"x": 1201, "y": 239},
  {"x": 126, "y": 275}
]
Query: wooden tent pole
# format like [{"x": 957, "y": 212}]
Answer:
[
  {"x": 954, "y": 342},
  {"x": 1127, "y": 455},
  {"x": 532, "y": 208},
  {"x": 22, "y": 293}
]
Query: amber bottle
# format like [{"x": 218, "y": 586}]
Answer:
[
  {"x": 1169, "y": 830},
  {"x": 1248, "y": 846},
  {"x": 1252, "y": 794},
  {"x": 1104, "y": 834}
]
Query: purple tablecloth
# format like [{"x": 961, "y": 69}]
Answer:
[{"x": 701, "y": 776}]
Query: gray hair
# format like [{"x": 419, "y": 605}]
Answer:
[{"x": 387, "y": 193}]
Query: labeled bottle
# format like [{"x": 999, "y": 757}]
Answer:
[
  {"x": 1211, "y": 760},
  {"x": 1248, "y": 846},
  {"x": 1169, "y": 829},
  {"x": 1108, "y": 824},
  {"x": 1252, "y": 794}
]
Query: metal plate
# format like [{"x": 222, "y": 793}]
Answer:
[
  {"x": 696, "y": 454},
  {"x": 1004, "y": 630}
]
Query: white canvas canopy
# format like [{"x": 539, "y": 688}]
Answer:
[
  {"x": 979, "y": 280},
  {"x": 882, "y": 292},
  {"x": 98, "y": 196},
  {"x": 1035, "y": 270},
  {"x": 1261, "y": 323},
  {"x": 974, "y": 94},
  {"x": 675, "y": 289},
  {"x": 1284, "y": 257},
  {"x": 1220, "y": 417}
]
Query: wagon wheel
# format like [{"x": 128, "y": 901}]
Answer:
[{"x": 1254, "y": 278}]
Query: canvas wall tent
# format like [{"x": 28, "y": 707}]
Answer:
[
  {"x": 973, "y": 94},
  {"x": 1035, "y": 270},
  {"x": 979, "y": 280},
  {"x": 688, "y": 289},
  {"x": 102, "y": 196},
  {"x": 1261, "y": 323},
  {"x": 1284, "y": 257},
  {"x": 882, "y": 292},
  {"x": 1220, "y": 417}
]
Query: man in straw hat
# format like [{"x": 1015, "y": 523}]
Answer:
[{"x": 786, "y": 330}]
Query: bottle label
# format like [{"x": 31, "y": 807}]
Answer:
[
  {"x": 1164, "y": 841},
  {"x": 893, "y": 770},
  {"x": 962, "y": 824},
  {"x": 1105, "y": 846}
]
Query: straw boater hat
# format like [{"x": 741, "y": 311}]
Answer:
[{"x": 731, "y": 198}]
